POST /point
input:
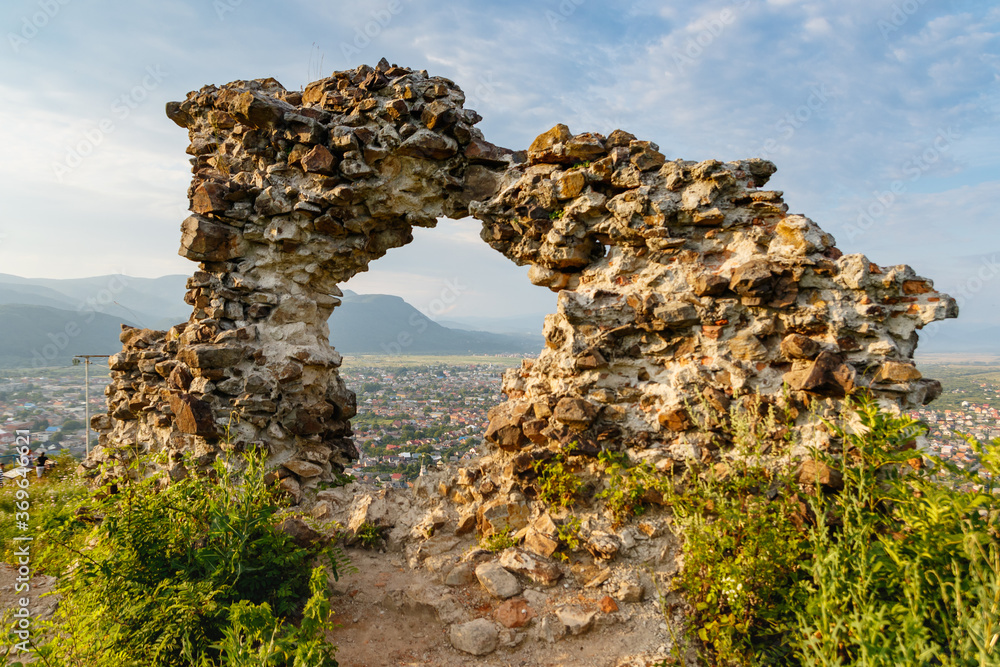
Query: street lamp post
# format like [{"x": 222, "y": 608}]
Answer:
[{"x": 86, "y": 390}]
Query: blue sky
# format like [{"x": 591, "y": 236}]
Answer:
[{"x": 881, "y": 116}]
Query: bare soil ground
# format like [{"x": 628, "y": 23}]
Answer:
[{"x": 375, "y": 632}]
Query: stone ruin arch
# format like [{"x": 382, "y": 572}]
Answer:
[{"x": 678, "y": 283}]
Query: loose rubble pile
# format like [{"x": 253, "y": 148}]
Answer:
[{"x": 517, "y": 601}]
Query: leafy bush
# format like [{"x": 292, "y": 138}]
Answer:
[
  {"x": 51, "y": 503},
  {"x": 499, "y": 541},
  {"x": 556, "y": 482},
  {"x": 911, "y": 575},
  {"x": 741, "y": 548},
  {"x": 629, "y": 486},
  {"x": 193, "y": 573},
  {"x": 371, "y": 535},
  {"x": 900, "y": 567}
]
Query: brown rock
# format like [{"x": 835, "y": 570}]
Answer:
[
  {"x": 542, "y": 536},
  {"x": 608, "y": 604},
  {"x": 481, "y": 151},
  {"x": 619, "y": 138},
  {"x": 299, "y": 531},
  {"x": 206, "y": 241},
  {"x": 645, "y": 156},
  {"x": 544, "y": 147},
  {"x": 590, "y": 359},
  {"x": 209, "y": 198},
  {"x": 895, "y": 371},
  {"x": 515, "y": 613},
  {"x": 303, "y": 468},
  {"x": 192, "y": 415},
  {"x": 180, "y": 378},
  {"x": 540, "y": 570},
  {"x": 429, "y": 145},
  {"x": 499, "y": 515},
  {"x": 675, "y": 419},
  {"x": 534, "y": 429},
  {"x": 574, "y": 411},
  {"x": 752, "y": 278},
  {"x": 569, "y": 184},
  {"x": 916, "y": 287},
  {"x": 676, "y": 314},
  {"x": 210, "y": 356},
  {"x": 797, "y": 346},
  {"x": 827, "y": 374},
  {"x": 318, "y": 161},
  {"x": 256, "y": 111},
  {"x": 438, "y": 116},
  {"x": 505, "y": 428},
  {"x": 812, "y": 472},
  {"x": 707, "y": 284},
  {"x": 586, "y": 147}
]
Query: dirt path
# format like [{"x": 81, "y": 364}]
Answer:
[{"x": 382, "y": 622}]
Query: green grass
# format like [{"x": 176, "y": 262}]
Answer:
[{"x": 191, "y": 573}]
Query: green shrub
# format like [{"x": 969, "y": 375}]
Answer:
[
  {"x": 900, "y": 567},
  {"x": 557, "y": 485},
  {"x": 192, "y": 573},
  {"x": 629, "y": 486},
  {"x": 371, "y": 535},
  {"x": 741, "y": 549},
  {"x": 51, "y": 506},
  {"x": 911, "y": 575},
  {"x": 499, "y": 541}
]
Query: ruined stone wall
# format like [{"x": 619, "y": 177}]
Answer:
[
  {"x": 680, "y": 284},
  {"x": 292, "y": 194}
]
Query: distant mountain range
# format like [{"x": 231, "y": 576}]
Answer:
[
  {"x": 383, "y": 324},
  {"x": 45, "y": 321},
  {"x": 37, "y": 336}
]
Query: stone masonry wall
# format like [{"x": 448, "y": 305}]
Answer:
[
  {"x": 292, "y": 194},
  {"x": 682, "y": 285}
]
